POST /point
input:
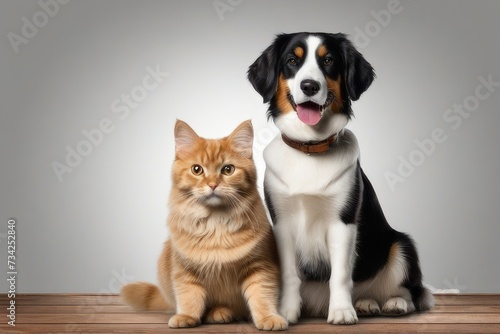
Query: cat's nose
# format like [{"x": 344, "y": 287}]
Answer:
[{"x": 213, "y": 185}]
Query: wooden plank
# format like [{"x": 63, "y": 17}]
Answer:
[
  {"x": 76, "y": 309},
  {"x": 158, "y": 318},
  {"x": 114, "y": 299},
  {"x": 65, "y": 313},
  {"x": 65, "y": 299},
  {"x": 95, "y": 318},
  {"x": 464, "y": 299},
  {"x": 465, "y": 309},
  {"x": 247, "y": 328},
  {"x": 442, "y": 318}
]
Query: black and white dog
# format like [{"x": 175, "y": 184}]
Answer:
[{"x": 339, "y": 256}]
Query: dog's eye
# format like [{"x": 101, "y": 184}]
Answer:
[
  {"x": 291, "y": 61},
  {"x": 196, "y": 169},
  {"x": 327, "y": 61},
  {"x": 228, "y": 169}
]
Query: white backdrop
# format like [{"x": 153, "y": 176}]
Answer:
[{"x": 90, "y": 90}]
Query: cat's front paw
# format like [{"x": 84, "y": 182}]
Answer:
[
  {"x": 272, "y": 323},
  {"x": 182, "y": 321},
  {"x": 342, "y": 316}
]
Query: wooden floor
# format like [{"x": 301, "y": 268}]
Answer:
[{"x": 78, "y": 313}]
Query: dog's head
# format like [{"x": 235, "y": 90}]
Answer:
[{"x": 309, "y": 80}]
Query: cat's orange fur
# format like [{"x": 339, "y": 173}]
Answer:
[{"x": 221, "y": 261}]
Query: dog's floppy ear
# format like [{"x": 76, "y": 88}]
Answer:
[
  {"x": 263, "y": 73},
  {"x": 358, "y": 74}
]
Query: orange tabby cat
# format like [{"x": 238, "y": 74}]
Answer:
[{"x": 221, "y": 261}]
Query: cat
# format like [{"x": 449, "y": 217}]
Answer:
[{"x": 221, "y": 262}]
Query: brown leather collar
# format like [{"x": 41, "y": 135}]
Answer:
[{"x": 314, "y": 147}]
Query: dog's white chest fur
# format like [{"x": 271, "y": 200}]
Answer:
[
  {"x": 292, "y": 172},
  {"x": 311, "y": 189}
]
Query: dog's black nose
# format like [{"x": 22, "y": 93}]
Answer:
[{"x": 309, "y": 87}]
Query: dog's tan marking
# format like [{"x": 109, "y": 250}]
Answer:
[
  {"x": 334, "y": 85},
  {"x": 299, "y": 52},
  {"x": 282, "y": 92},
  {"x": 322, "y": 51},
  {"x": 393, "y": 252}
]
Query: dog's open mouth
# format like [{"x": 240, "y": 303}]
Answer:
[{"x": 309, "y": 112}]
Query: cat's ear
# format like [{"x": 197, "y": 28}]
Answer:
[
  {"x": 242, "y": 139},
  {"x": 185, "y": 137}
]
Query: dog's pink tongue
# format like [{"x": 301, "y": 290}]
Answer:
[{"x": 309, "y": 113}]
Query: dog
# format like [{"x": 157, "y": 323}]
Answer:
[{"x": 340, "y": 258}]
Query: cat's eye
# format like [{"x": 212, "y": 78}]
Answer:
[
  {"x": 196, "y": 169},
  {"x": 228, "y": 169}
]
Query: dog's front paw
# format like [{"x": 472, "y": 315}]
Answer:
[
  {"x": 342, "y": 316},
  {"x": 292, "y": 314},
  {"x": 290, "y": 307},
  {"x": 272, "y": 323}
]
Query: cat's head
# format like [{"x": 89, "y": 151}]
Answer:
[{"x": 213, "y": 172}]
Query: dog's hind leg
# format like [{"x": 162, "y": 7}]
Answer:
[
  {"x": 397, "y": 288},
  {"x": 367, "y": 307},
  {"x": 421, "y": 298}
]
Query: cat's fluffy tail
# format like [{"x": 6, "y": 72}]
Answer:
[{"x": 144, "y": 296}]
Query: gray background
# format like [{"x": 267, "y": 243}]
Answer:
[{"x": 104, "y": 224}]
